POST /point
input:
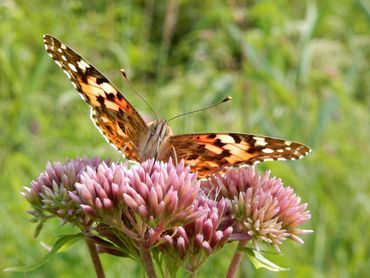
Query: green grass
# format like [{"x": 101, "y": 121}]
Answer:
[{"x": 296, "y": 70}]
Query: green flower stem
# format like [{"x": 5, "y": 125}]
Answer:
[
  {"x": 148, "y": 262},
  {"x": 95, "y": 258},
  {"x": 235, "y": 261}
]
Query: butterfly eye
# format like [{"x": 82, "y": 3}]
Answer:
[{"x": 152, "y": 129}]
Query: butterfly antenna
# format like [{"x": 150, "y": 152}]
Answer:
[
  {"x": 123, "y": 72},
  {"x": 201, "y": 109}
]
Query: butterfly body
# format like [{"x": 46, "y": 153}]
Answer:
[
  {"x": 124, "y": 128},
  {"x": 154, "y": 142}
]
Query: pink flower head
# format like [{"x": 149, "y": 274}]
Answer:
[
  {"x": 49, "y": 193},
  {"x": 263, "y": 209},
  {"x": 197, "y": 240},
  {"x": 142, "y": 201}
]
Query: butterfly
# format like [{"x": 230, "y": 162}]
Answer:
[{"x": 125, "y": 129}]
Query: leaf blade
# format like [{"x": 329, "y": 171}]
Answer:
[{"x": 63, "y": 243}]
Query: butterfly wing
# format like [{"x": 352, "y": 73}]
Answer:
[
  {"x": 208, "y": 153},
  {"x": 112, "y": 114}
]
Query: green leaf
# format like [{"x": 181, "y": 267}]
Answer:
[
  {"x": 61, "y": 244},
  {"x": 38, "y": 229},
  {"x": 259, "y": 261}
]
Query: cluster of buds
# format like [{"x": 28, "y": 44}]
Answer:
[
  {"x": 164, "y": 208},
  {"x": 49, "y": 193},
  {"x": 194, "y": 242},
  {"x": 263, "y": 209},
  {"x": 141, "y": 202}
]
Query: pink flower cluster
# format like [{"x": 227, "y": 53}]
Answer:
[
  {"x": 263, "y": 209},
  {"x": 141, "y": 202},
  {"x": 163, "y": 207},
  {"x": 49, "y": 193},
  {"x": 195, "y": 241}
]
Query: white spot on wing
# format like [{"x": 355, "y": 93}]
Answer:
[
  {"x": 259, "y": 141},
  {"x": 72, "y": 67},
  {"x": 60, "y": 50},
  {"x": 64, "y": 58},
  {"x": 108, "y": 88},
  {"x": 281, "y": 158},
  {"x": 58, "y": 63},
  {"x": 288, "y": 143},
  {"x": 227, "y": 139},
  {"x": 63, "y": 46},
  {"x": 67, "y": 73},
  {"x": 83, "y": 65},
  {"x": 267, "y": 150},
  {"x": 268, "y": 159}
]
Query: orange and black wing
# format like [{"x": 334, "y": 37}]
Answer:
[
  {"x": 112, "y": 114},
  {"x": 209, "y": 153}
]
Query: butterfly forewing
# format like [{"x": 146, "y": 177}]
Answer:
[
  {"x": 113, "y": 115},
  {"x": 211, "y": 152}
]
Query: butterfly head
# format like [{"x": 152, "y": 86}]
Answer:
[{"x": 154, "y": 138}]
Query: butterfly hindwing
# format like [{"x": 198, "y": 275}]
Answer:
[
  {"x": 208, "y": 153},
  {"x": 113, "y": 115}
]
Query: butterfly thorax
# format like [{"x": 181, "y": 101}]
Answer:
[{"x": 154, "y": 139}]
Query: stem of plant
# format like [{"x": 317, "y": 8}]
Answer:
[
  {"x": 148, "y": 262},
  {"x": 95, "y": 258},
  {"x": 235, "y": 261}
]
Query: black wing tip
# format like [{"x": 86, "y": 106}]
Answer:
[
  {"x": 307, "y": 150},
  {"x": 47, "y": 37}
]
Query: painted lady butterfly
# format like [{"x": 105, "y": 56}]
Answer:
[{"x": 125, "y": 129}]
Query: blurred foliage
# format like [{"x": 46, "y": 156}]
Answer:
[{"x": 295, "y": 69}]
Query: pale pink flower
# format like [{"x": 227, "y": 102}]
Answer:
[
  {"x": 49, "y": 193},
  {"x": 194, "y": 242},
  {"x": 262, "y": 208},
  {"x": 143, "y": 201}
]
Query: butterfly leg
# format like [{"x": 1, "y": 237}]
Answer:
[
  {"x": 174, "y": 155},
  {"x": 154, "y": 160}
]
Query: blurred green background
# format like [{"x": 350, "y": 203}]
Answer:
[{"x": 299, "y": 70}]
